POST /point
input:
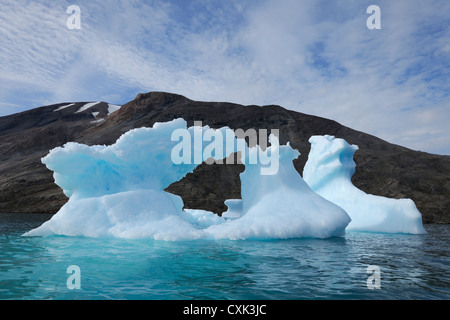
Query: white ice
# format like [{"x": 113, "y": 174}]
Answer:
[
  {"x": 111, "y": 108},
  {"x": 328, "y": 172},
  {"x": 64, "y": 107},
  {"x": 87, "y": 106}
]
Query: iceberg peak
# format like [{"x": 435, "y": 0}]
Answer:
[{"x": 330, "y": 159}]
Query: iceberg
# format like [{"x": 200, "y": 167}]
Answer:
[
  {"x": 118, "y": 190},
  {"x": 328, "y": 172}
]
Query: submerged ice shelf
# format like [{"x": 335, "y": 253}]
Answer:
[{"x": 117, "y": 191}]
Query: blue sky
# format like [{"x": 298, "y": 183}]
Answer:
[{"x": 311, "y": 56}]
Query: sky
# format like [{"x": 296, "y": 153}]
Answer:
[{"x": 312, "y": 56}]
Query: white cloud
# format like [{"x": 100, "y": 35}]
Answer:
[{"x": 316, "y": 57}]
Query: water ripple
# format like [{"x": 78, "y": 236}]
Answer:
[{"x": 412, "y": 267}]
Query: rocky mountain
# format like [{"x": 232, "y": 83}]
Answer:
[{"x": 382, "y": 168}]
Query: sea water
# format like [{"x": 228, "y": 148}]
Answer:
[{"x": 410, "y": 266}]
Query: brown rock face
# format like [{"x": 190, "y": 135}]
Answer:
[{"x": 381, "y": 168}]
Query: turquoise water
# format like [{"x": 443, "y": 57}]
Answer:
[{"x": 411, "y": 266}]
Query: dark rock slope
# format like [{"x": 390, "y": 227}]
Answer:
[
  {"x": 26, "y": 185},
  {"x": 382, "y": 168}
]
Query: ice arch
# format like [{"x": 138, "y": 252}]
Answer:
[{"x": 117, "y": 191}]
